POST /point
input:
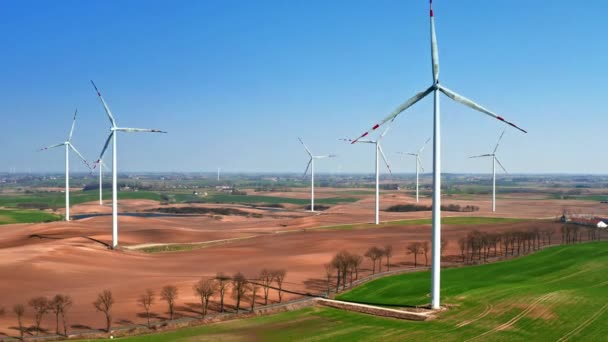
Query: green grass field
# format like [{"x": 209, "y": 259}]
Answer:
[
  {"x": 465, "y": 220},
  {"x": 557, "y": 294},
  {"x": 8, "y": 216},
  {"x": 57, "y": 199}
]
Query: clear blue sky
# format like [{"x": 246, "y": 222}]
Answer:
[{"x": 235, "y": 82}]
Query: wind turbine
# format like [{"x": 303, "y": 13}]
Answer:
[
  {"x": 435, "y": 88},
  {"x": 377, "y": 162},
  {"x": 102, "y": 165},
  {"x": 311, "y": 165},
  {"x": 113, "y": 133},
  {"x": 68, "y": 145},
  {"x": 418, "y": 164},
  {"x": 494, "y": 161}
]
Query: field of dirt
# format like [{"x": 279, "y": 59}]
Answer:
[{"x": 73, "y": 258}]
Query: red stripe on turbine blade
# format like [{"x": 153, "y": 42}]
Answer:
[
  {"x": 376, "y": 126},
  {"x": 431, "y": 12},
  {"x": 364, "y": 134},
  {"x": 500, "y": 118}
]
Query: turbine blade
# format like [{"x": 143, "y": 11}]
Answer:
[
  {"x": 434, "y": 49},
  {"x": 398, "y": 111},
  {"x": 105, "y": 106},
  {"x": 420, "y": 164},
  {"x": 305, "y": 147},
  {"x": 145, "y": 130},
  {"x": 325, "y": 156},
  {"x": 386, "y": 130},
  {"x": 423, "y": 146},
  {"x": 73, "y": 124},
  {"x": 459, "y": 98},
  {"x": 498, "y": 142},
  {"x": 482, "y": 156},
  {"x": 388, "y": 166},
  {"x": 80, "y": 155},
  {"x": 105, "y": 147},
  {"x": 307, "y": 167},
  {"x": 501, "y": 166},
  {"x": 52, "y": 146}
]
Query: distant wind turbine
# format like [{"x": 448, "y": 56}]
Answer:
[
  {"x": 418, "y": 165},
  {"x": 494, "y": 161},
  {"x": 113, "y": 133},
  {"x": 379, "y": 153},
  {"x": 102, "y": 165},
  {"x": 68, "y": 145},
  {"x": 435, "y": 88},
  {"x": 311, "y": 165}
]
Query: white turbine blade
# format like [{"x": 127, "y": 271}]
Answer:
[
  {"x": 459, "y": 98},
  {"x": 325, "y": 156},
  {"x": 498, "y": 142},
  {"x": 407, "y": 154},
  {"x": 398, "y": 111},
  {"x": 482, "y": 156},
  {"x": 388, "y": 166},
  {"x": 305, "y": 147},
  {"x": 501, "y": 166},
  {"x": 434, "y": 49},
  {"x": 80, "y": 155},
  {"x": 105, "y": 106},
  {"x": 307, "y": 167},
  {"x": 52, "y": 146},
  {"x": 73, "y": 124},
  {"x": 420, "y": 163},
  {"x": 145, "y": 130},
  {"x": 386, "y": 130},
  {"x": 105, "y": 147},
  {"x": 423, "y": 146}
]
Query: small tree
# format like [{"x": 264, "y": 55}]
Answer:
[
  {"x": 59, "y": 305},
  {"x": 205, "y": 288},
  {"x": 222, "y": 285},
  {"x": 329, "y": 273},
  {"x": 388, "y": 253},
  {"x": 279, "y": 276},
  {"x": 253, "y": 289},
  {"x": 462, "y": 245},
  {"x": 41, "y": 307},
  {"x": 19, "y": 310},
  {"x": 238, "y": 288},
  {"x": 373, "y": 253},
  {"x": 426, "y": 247},
  {"x": 146, "y": 300},
  {"x": 414, "y": 248},
  {"x": 103, "y": 304},
  {"x": 357, "y": 261},
  {"x": 169, "y": 294},
  {"x": 266, "y": 277}
]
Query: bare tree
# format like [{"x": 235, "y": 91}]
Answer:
[
  {"x": 41, "y": 307},
  {"x": 357, "y": 261},
  {"x": 266, "y": 277},
  {"x": 146, "y": 300},
  {"x": 329, "y": 273},
  {"x": 388, "y": 253},
  {"x": 169, "y": 294},
  {"x": 205, "y": 288},
  {"x": 462, "y": 245},
  {"x": 414, "y": 248},
  {"x": 253, "y": 289},
  {"x": 373, "y": 253},
  {"x": 426, "y": 247},
  {"x": 222, "y": 285},
  {"x": 104, "y": 303},
  {"x": 19, "y": 310},
  {"x": 279, "y": 277},
  {"x": 60, "y": 305},
  {"x": 238, "y": 288}
]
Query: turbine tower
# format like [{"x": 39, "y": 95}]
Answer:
[
  {"x": 102, "y": 165},
  {"x": 494, "y": 161},
  {"x": 436, "y": 88},
  {"x": 68, "y": 145},
  {"x": 418, "y": 165},
  {"x": 311, "y": 165},
  {"x": 379, "y": 153},
  {"x": 113, "y": 133}
]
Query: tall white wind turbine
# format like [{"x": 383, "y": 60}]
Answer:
[
  {"x": 418, "y": 165},
  {"x": 494, "y": 161},
  {"x": 311, "y": 165},
  {"x": 68, "y": 145},
  {"x": 113, "y": 134},
  {"x": 435, "y": 88},
  {"x": 379, "y": 153}
]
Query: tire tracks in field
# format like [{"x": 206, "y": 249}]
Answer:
[
  {"x": 517, "y": 317},
  {"x": 489, "y": 308},
  {"x": 585, "y": 324}
]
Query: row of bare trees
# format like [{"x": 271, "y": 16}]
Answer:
[
  {"x": 204, "y": 289},
  {"x": 423, "y": 247},
  {"x": 573, "y": 233}
]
